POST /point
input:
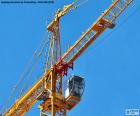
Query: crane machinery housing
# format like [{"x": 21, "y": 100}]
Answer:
[{"x": 48, "y": 89}]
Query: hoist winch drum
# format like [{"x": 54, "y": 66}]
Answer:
[{"x": 74, "y": 86}]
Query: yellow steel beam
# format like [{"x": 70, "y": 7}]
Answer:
[{"x": 23, "y": 104}]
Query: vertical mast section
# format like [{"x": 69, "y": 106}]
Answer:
[{"x": 54, "y": 55}]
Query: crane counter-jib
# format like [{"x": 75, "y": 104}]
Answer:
[{"x": 106, "y": 20}]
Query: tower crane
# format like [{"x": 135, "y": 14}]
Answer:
[{"x": 48, "y": 88}]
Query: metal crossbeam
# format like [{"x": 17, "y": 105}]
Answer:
[{"x": 24, "y": 103}]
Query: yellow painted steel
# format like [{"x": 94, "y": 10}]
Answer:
[{"x": 24, "y": 103}]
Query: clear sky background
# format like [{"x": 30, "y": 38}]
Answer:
[{"x": 110, "y": 66}]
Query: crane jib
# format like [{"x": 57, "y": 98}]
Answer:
[{"x": 106, "y": 20}]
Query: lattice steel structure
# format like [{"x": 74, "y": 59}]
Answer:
[{"x": 45, "y": 88}]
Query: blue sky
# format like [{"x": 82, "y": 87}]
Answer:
[{"x": 110, "y": 66}]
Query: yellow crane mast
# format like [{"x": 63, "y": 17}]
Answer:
[{"x": 49, "y": 87}]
